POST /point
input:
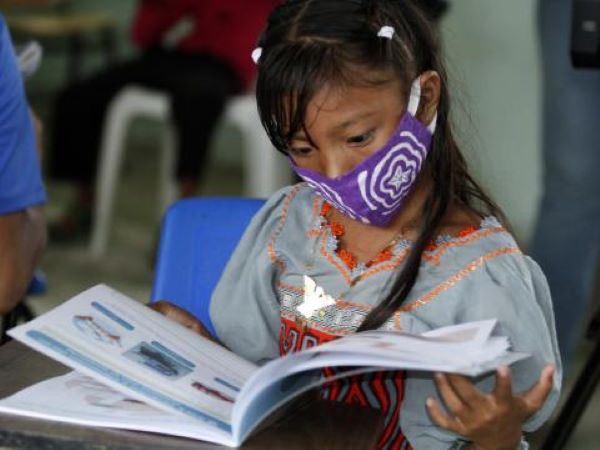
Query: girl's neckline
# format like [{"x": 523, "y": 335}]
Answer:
[{"x": 334, "y": 231}]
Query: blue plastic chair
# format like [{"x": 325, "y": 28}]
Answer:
[{"x": 197, "y": 238}]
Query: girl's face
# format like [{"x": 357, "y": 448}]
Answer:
[{"x": 346, "y": 126}]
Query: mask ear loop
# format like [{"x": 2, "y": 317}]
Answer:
[
  {"x": 415, "y": 97},
  {"x": 413, "y": 104},
  {"x": 433, "y": 124}
]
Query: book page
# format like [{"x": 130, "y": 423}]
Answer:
[
  {"x": 468, "y": 349},
  {"x": 79, "y": 399},
  {"x": 136, "y": 350}
]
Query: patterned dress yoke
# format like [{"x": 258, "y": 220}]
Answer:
[{"x": 478, "y": 274}]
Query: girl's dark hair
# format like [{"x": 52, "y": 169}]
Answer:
[{"x": 312, "y": 43}]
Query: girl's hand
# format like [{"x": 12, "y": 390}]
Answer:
[
  {"x": 489, "y": 421},
  {"x": 182, "y": 317}
]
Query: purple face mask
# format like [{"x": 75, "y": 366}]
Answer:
[{"x": 375, "y": 190}]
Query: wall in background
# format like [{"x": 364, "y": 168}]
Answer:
[
  {"x": 52, "y": 74},
  {"x": 494, "y": 68}
]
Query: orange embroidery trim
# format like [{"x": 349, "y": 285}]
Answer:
[
  {"x": 347, "y": 257},
  {"x": 380, "y": 268},
  {"x": 384, "y": 255},
  {"x": 317, "y": 209},
  {"x": 338, "y": 230},
  {"x": 466, "y": 237},
  {"x": 367, "y": 274},
  {"x": 452, "y": 281},
  {"x": 430, "y": 247},
  {"x": 397, "y": 325},
  {"x": 314, "y": 232},
  {"x": 457, "y": 277},
  {"x": 332, "y": 261},
  {"x": 277, "y": 232},
  {"x": 467, "y": 231}
]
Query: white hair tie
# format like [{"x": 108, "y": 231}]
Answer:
[
  {"x": 386, "y": 32},
  {"x": 256, "y": 54}
]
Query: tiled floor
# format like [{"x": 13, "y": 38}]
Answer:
[{"x": 127, "y": 266}]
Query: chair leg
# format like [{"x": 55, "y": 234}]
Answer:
[
  {"x": 262, "y": 166},
  {"x": 4, "y": 328},
  {"x": 22, "y": 310},
  {"x": 8, "y": 321},
  {"x": 111, "y": 153},
  {"x": 265, "y": 170},
  {"x": 167, "y": 187},
  {"x": 130, "y": 102}
]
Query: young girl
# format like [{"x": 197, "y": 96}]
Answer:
[{"x": 388, "y": 222}]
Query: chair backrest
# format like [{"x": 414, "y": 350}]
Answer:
[{"x": 197, "y": 238}]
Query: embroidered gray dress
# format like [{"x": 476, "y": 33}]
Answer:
[{"x": 478, "y": 276}]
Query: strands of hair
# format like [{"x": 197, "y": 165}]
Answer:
[{"x": 312, "y": 44}]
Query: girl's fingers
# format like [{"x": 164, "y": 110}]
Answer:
[
  {"x": 465, "y": 389},
  {"x": 179, "y": 315},
  {"x": 161, "y": 306},
  {"x": 440, "y": 418},
  {"x": 503, "y": 388},
  {"x": 535, "y": 397},
  {"x": 449, "y": 395}
]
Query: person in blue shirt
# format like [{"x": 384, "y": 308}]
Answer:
[
  {"x": 22, "y": 194},
  {"x": 566, "y": 239}
]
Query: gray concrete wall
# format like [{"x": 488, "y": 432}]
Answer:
[{"x": 493, "y": 57}]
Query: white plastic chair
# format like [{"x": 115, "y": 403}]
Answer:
[{"x": 264, "y": 170}]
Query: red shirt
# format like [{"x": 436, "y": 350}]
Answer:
[{"x": 227, "y": 29}]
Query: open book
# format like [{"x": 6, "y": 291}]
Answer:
[{"x": 136, "y": 369}]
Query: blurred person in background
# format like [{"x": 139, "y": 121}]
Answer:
[
  {"x": 199, "y": 71},
  {"x": 22, "y": 194},
  {"x": 567, "y": 236}
]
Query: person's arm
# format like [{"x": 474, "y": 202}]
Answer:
[
  {"x": 22, "y": 240},
  {"x": 22, "y": 223},
  {"x": 153, "y": 18}
]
